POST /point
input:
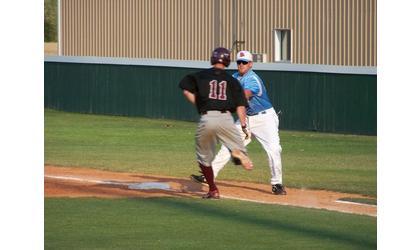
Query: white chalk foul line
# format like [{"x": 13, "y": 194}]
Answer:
[
  {"x": 295, "y": 205},
  {"x": 250, "y": 200},
  {"x": 143, "y": 186},
  {"x": 70, "y": 178},
  {"x": 355, "y": 203},
  {"x": 265, "y": 202}
]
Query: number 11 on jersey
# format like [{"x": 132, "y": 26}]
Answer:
[{"x": 213, "y": 90}]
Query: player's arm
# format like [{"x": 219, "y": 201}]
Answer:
[
  {"x": 240, "y": 100},
  {"x": 252, "y": 87},
  {"x": 190, "y": 96},
  {"x": 240, "y": 110},
  {"x": 189, "y": 87}
]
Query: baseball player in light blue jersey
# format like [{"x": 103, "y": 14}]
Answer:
[{"x": 262, "y": 121}]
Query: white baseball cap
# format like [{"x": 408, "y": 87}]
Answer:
[{"x": 244, "y": 55}]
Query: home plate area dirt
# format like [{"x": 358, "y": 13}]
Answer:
[{"x": 84, "y": 182}]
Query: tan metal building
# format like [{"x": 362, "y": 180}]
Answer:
[{"x": 332, "y": 32}]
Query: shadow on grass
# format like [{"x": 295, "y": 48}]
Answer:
[{"x": 208, "y": 210}]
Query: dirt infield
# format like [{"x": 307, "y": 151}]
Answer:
[{"x": 83, "y": 182}]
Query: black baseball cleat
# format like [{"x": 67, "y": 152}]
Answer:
[
  {"x": 236, "y": 161},
  {"x": 240, "y": 157},
  {"x": 278, "y": 189},
  {"x": 198, "y": 178}
]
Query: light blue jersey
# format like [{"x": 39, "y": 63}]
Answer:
[{"x": 259, "y": 100}]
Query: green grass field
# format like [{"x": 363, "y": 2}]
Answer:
[
  {"x": 187, "y": 223},
  {"x": 345, "y": 163},
  {"x": 312, "y": 160}
]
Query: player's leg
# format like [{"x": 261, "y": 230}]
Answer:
[
  {"x": 224, "y": 155},
  {"x": 208, "y": 174},
  {"x": 273, "y": 150},
  {"x": 229, "y": 136},
  {"x": 265, "y": 129},
  {"x": 206, "y": 141},
  {"x": 221, "y": 159}
]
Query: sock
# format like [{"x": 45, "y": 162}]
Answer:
[{"x": 208, "y": 173}]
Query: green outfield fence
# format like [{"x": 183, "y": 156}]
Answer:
[{"x": 309, "y": 97}]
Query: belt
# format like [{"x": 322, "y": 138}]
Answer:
[
  {"x": 205, "y": 112},
  {"x": 259, "y": 113}
]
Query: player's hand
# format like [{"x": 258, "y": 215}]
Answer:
[{"x": 246, "y": 131}]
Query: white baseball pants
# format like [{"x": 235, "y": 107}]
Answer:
[
  {"x": 213, "y": 127},
  {"x": 264, "y": 127}
]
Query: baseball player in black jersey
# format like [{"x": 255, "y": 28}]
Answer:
[{"x": 216, "y": 95}]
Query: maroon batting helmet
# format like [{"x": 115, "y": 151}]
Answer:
[{"x": 220, "y": 55}]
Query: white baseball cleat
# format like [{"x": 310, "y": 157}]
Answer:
[{"x": 243, "y": 158}]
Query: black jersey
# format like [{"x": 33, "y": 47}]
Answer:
[{"x": 214, "y": 89}]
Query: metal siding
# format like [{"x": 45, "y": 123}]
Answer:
[{"x": 338, "y": 32}]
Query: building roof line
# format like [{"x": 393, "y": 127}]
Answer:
[{"x": 334, "y": 69}]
